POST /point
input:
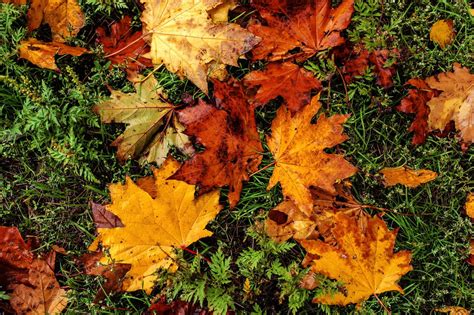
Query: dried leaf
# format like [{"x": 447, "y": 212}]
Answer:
[
  {"x": 384, "y": 73},
  {"x": 456, "y": 102},
  {"x": 104, "y": 218},
  {"x": 453, "y": 310},
  {"x": 64, "y": 17},
  {"x": 30, "y": 282},
  {"x": 186, "y": 39},
  {"x": 174, "y": 219},
  {"x": 124, "y": 47},
  {"x": 363, "y": 261},
  {"x": 287, "y": 80},
  {"x": 42, "y": 54},
  {"x": 152, "y": 126},
  {"x": 313, "y": 28},
  {"x": 442, "y": 33},
  {"x": 15, "y": 2},
  {"x": 470, "y": 205},
  {"x": 231, "y": 141},
  {"x": 162, "y": 307},
  {"x": 299, "y": 148},
  {"x": 406, "y": 176},
  {"x": 220, "y": 14}
]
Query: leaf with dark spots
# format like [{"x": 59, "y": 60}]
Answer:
[
  {"x": 124, "y": 46},
  {"x": 292, "y": 83},
  {"x": 104, "y": 218},
  {"x": 230, "y": 138}
]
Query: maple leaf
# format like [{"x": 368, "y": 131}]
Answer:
[
  {"x": 415, "y": 103},
  {"x": 456, "y": 102},
  {"x": 15, "y": 2},
  {"x": 152, "y": 125},
  {"x": 406, "y": 176},
  {"x": 220, "y": 13},
  {"x": 442, "y": 32},
  {"x": 287, "y": 80},
  {"x": 173, "y": 219},
  {"x": 298, "y": 149},
  {"x": 42, "y": 54},
  {"x": 313, "y": 28},
  {"x": 30, "y": 281},
  {"x": 123, "y": 47},
  {"x": 64, "y": 17},
  {"x": 363, "y": 261},
  {"x": 185, "y": 38},
  {"x": 231, "y": 141},
  {"x": 286, "y": 220}
]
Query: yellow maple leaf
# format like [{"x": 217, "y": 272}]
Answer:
[
  {"x": 406, "y": 176},
  {"x": 442, "y": 32},
  {"x": 456, "y": 101},
  {"x": 185, "y": 38},
  {"x": 298, "y": 149},
  {"x": 154, "y": 227},
  {"x": 152, "y": 125},
  {"x": 363, "y": 261}
]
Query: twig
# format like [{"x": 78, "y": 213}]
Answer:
[
  {"x": 263, "y": 168},
  {"x": 389, "y": 312}
]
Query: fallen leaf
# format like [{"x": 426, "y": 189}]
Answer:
[
  {"x": 470, "y": 205},
  {"x": 456, "y": 102},
  {"x": 188, "y": 42},
  {"x": 292, "y": 83},
  {"x": 15, "y": 2},
  {"x": 416, "y": 103},
  {"x": 104, "y": 218},
  {"x": 42, "y": 54},
  {"x": 453, "y": 310},
  {"x": 29, "y": 281},
  {"x": 173, "y": 220},
  {"x": 152, "y": 126},
  {"x": 220, "y": 14},
  {"x": 230, "y": 138},
  {"x": 124, "y": 47},
  {"x": 442, "y": 33},
  {"x": 363, "y": 261},
  {"x": 406, "y": 176},
  {"x": 470, "y": 259},
  {"x": 384, "y": 73},
  {"x": 315, "y": 27},
  {"x": 64, "y": 17},
  {"x": 298, "y": 147},
  {"x": 178, "y": 307}
]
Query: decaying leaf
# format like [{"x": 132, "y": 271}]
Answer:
[
  {"x": 15, "y": 2},
  {"x": 230, "y": 138},
  {"x": 363, "y": 261},
  {"x": 42, "y": 54},
  {"x": 456, "y": 102},
  {"x": 220, "y": 13},
  {"x": 298, "y": 147},
  {"x": 152, "y": 126},
  {"x": 124, "y": 47},
  {"x": 442, "y": 33},
  {"x": 315, "y": 27},
  {"x": 292, "y": 83},
  {"x": 416, "y": 103},
  {"x": 185, "y": 38},
  {"x": 154, "y": 227},
  {"x": 64, "y": 17},
  {"x": 453, "y": 310},
  {"x": 406, "y": 176},
  {"x": 29, "y": 281},
  {"x": 178, "y": 307}
]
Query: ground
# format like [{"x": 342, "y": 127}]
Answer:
[{"x": 55, "y": 158}]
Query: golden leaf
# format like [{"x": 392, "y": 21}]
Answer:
[
  {"x": 470, "y": 205},
  {"x": 363, "y": 261},
  {"x": 154, "y": 227},
  {"x": 406, "y": 176},
  {"x": 185, "y": 38},
  {"x": 298, "y": 149},
  {"x": 453, "y": 310},
  {"x": 152, "y": 126},
  {"x": 442, "y": 32},
  {"x": 42, "y": 54},
  {"x": 456, "y": 101}
]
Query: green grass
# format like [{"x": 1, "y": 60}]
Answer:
[{"x": 55, "y": 158}]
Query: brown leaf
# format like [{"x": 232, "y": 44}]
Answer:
[
  {"x": 15, "y": 2},
  {"x": 406, "y": 176},
  {"x": 178, "y": 307},
  {"x": 313, "y": 28},
  {"x": 453, "y": 310},
  {"x": 104, "y": 218},
  {"x": 42, "y": 54},
  {"x": 384, "y": 74},
  {"x": 287, "y": 80},
  {"x": 416, "y": 103},
  {"x": 64, "y": 17},
  {"x": 231, "y": 141},
  {"x": 29, "y": 281},
  {"x": 124, "y": 46}
]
